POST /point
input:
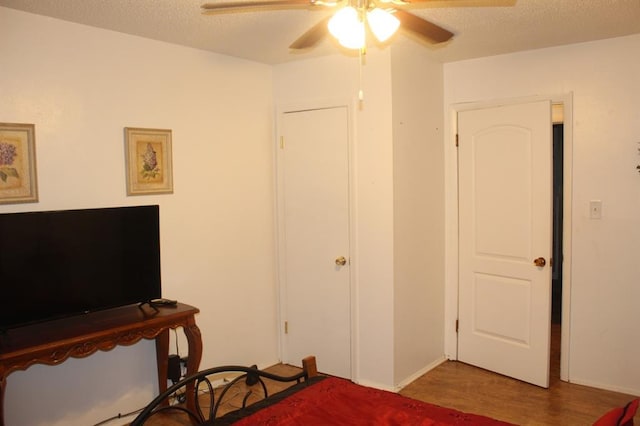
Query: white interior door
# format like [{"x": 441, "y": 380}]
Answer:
[
  {"x": 313, "y": 161},
  {"x": 505, "y": 205}
]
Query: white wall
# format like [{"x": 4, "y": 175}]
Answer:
[
  {"x": 398, "y": 199},
  {"x": 603, "y": 77},
  {"x": 418, "y": 192},
  {"x": 335, "y": 79},
  {"x": 81, "y": 86}
]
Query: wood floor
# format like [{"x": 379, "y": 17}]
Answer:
[
  {"x": 474, "y": 390},
  {"x": 470, "y": 389},
  {"x": 466, "y": 388}
]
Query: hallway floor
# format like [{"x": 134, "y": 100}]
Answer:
[
  {"x": 466, "y": 388},
  {"x": 470, "y": 389}
]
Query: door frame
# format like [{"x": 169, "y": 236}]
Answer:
[
  {"x": 279, "y": 219},
  {"x": 451, "y": 220}
]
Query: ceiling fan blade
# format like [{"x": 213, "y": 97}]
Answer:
[
  {"x": 312, "y": 36},
  {"x": 425, "y": 29},
  {"x": 239, "y": 6}
]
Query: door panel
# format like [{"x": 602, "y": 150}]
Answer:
[
  {"x": 505, "y": 156},
  {"x": 502, "y": 232},
  {"x": 314, "y": 165}
]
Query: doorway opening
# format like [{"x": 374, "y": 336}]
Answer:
[
  {"x": 557, "y": 330},
  {"x": 556, "y": 274}
]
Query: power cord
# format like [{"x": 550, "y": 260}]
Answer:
[{"x": 180, "y": 398}]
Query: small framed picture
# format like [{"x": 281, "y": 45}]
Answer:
[
  {"x": 18, "y": 182},
  {"x": 148, "y": 161}
]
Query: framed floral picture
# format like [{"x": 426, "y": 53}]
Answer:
[
  {"x": 148, "y": 161},
  {"x": 18, "y": 183}
]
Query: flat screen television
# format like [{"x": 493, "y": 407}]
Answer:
[{"x": 56, "y": 264}]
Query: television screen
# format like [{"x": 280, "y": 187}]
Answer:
[{"x": 62, "y": 263}]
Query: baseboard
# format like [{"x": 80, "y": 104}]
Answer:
[
  {"x": 419, "y": 373},
  {"x": 604, "y": 386},
  {"x": 406, "y": 381}
]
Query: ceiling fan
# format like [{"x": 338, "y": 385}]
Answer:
[{"x": 354, "y": 18}]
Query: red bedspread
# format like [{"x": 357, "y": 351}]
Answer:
[{"x": 336, "y": 401}]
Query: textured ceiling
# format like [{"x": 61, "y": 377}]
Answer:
[{"x": 265, "y": 36}]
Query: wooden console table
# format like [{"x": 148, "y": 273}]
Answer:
[{"x": 53, "y": 342}]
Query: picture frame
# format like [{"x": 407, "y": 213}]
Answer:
[
  {"x": 148, "y": 161},
  {"x": 18, "y": 178}
]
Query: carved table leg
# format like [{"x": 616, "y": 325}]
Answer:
[{"x": 194, "y": 339}]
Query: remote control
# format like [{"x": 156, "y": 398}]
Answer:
[{"x": 163, "y": 302}]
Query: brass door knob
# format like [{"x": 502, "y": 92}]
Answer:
[
  {"x": 341, "y": 261},
  {"x": 540, "y": 262}
]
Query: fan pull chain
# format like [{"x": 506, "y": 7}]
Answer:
[{"x": 361, "y": 53}]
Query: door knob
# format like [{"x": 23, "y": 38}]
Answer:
[
  {"x": 341, "y": 261},
  {"x": 540, "y": 262}
]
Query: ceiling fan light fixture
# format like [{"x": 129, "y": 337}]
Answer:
[
  {"x": 355, "y": 38},
  {"x": 347, "y": 27},
  {"x": 382, "y": 24},
  {"x": 342, "y": 21}
]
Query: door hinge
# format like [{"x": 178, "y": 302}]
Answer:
[
  {"x": 286, "y": 327},
  {"x": 457, "y": 139},
  {"x": 281, "y": 142},
  {"x": 457, "y": 325}
]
